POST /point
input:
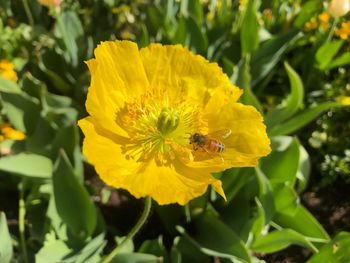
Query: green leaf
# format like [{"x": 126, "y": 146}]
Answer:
[
  {"x": 234, "y": 179},
  {"x": 215, "y": 238},
  {"x": 342, "y": 60},
  {"x": 59, "y": 251},
  {"x": 336, "y": 251},
  {"x": 198, "y": 41},
  {"x": 302, "y": 222},
  {"x": 22, "y": 110},
  {"x": 155, "y": 247},
  {"x": 258, "y": 222},
  {"x": 250, "y": 29},
  {"x": 265, "y": 194},
  {"x": 52, "y": 65},
  {"x": 243, "y": 81},
  {"x": 308, "y": 10},
  {"x": 188, "y": 250},
  {"x": 40, "y": 140},
  {"x": 27, "y": 164},
  {"x": 269, "y": 54},
  {"x": 286, "y": 199},
  {"x": 282, "y": 166},
  {"x": 326, "y": 53},
  {"x": 68, "y": 139},
  {"x": 278, "y": 240},
  {"x": 6, "y": 250},
  {"x": 9, "y": 86},
  {"x": 69, "y": 29},
  {"x": 195, "y": 10},
  {"x": 303, "y": 118},
  {"x": 143, "y": 37},
  {"x": 293, "y": 102},
  {"x": 180, "y": 35},
  {"x": 136, "y": 258},
  {"x": 72, "y": 200},
  {"x": 53, "y": 252},
  {"x": 304, "y": 169}
]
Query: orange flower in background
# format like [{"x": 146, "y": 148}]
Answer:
[
  {"x": 344, "y": 31},
  {"x": 8, "y": 133},
  {"x": 323, "y": 18},
  {"x": 162, "y": 120},
  {"x": 50, "y": 3},
  {"x": 7, "y": 70}
]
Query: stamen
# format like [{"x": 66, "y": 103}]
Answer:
[{"x": 156, "y": 124}]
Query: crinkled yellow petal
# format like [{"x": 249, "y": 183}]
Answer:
[
  {"x": 184, "y": 74},
  {"x": 248, "y": 140},
  {"x": 117, "y": 76},
  {"x": 174, "y": 184}
]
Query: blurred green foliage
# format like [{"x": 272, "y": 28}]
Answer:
[{"x": 290, "y": 74}]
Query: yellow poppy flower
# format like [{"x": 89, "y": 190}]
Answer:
[
  {"x": 324, "y": 20},
  {"x": 146, "y": 105},
  {"x": 7, "y": 132},
  {"x": 344, "y": 31},
  {"x": 344, "y": 100},
  {"x": 7, "y": 71}
]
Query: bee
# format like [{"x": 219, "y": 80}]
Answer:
[{"x": 210, "y": 143}]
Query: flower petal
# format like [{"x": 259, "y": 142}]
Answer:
[
  {"x": 176, "y": 184},
  {"x": 188, "y": 75},
  {"x": 117, "y": 75},
  {"x": 248, "y": 140}
]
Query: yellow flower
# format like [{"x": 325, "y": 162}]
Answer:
[
  {"x": 344, "y": 31},
  {"x": 324, "y": 20},
  {"x": 144, "y": 107},
  {"x": 7, "y": 132},
  {"x": 242, "y": 4},
  {"x": 344, "y": 100},
  {"x": 339, "y": 8},
  {"x": 50, "y": 3},
  {"x": 311, "y": 25},
  {"x": 6, "y": 70}
]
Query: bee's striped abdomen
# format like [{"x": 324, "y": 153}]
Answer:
[{"x": 215, "y": 146}]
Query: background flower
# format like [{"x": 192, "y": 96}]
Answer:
[{"x": 7, "y": 70}]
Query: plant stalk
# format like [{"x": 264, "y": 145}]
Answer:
[
  {"x": 133, "y": 231},
  {"x": 21, "y": 221},
  {"x": 28, "y": 12}
]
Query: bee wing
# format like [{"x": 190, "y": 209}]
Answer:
[{"x": 220, "y": 134}]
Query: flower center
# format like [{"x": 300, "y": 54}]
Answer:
[
  {"x": 168, "y": 120},
  {"x": 158, "y": 127}
]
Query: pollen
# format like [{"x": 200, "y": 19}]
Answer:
[{"x": 158, "y": 128}]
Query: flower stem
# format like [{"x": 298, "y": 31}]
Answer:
[
  {"x": 133, "y": 231},
  {"x": 21, "y": 221},
  {"x": 28, "y": 12},
  {"x": 331, "y": 31}
]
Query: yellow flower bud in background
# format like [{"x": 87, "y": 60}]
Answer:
[
  {"x": 50, "y": 3},
  {"x": 7, "y": 70},
  {"x": 7, "y": 132},
  {"x": 344, "y": 31},
  {"x": 338, "y": 8},
  {"x": 344, "y": 100}
]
